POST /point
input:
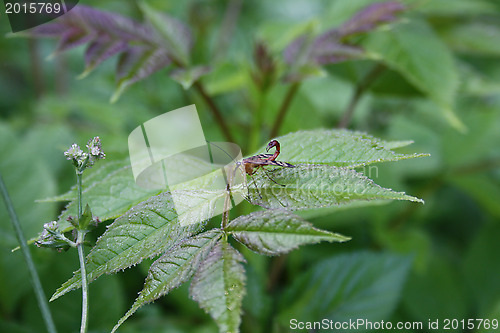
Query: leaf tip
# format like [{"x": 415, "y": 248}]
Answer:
[{"x": 84, "y": 74}]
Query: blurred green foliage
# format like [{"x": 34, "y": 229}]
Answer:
[{"x": 440, "y": 88}]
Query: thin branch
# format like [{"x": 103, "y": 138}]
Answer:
[
  {"x": 358, "y": 92},
  {"x": 81, "y": 257},
  {"x": 284, "y": 108},
  {"x": 215, "y": 111},
  {"x": 35, "y": 280},
  {"x": 85, "y": 292}
]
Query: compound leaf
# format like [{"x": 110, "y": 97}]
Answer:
[
  {"x": 316, "y": 186},
  {"x": 277, "y": 231},
  {"x": 144, "y": 231},
  {"x": 219, "y": 286},
  {"x": 173, "y": 269},
  {"x": 340, "y": 148}
]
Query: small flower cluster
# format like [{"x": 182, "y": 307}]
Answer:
[
  {"x": 83, "y": 160},
  {"x": 52, "y": 237}
]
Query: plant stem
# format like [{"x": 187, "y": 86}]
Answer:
[
  {"x": 35, "y": 280},
  {"x": 85, "y": 293},
  {"x": 79, "y": 177},
  {"x": 358, "y": 92},
  {"x": 215, "y": 111},
  {"x": 227, "y": 205},
  {"x": 81, "y": 257},
  {"x": 284, "y": 108}
]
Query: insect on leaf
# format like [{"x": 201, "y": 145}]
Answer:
[
  {"x": 316, "y": 186},
  {"x": 340, "y": 148}
]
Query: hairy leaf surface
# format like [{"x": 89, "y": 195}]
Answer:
[
  {"x": 173, "y": 269},
  {"x": 144, "y": 231},
  {"x": 340, "y": 148},
  {"x": 316, "y": 186},
  {"x": 219, "y": 286},
  {"x": 277, "y": 231}
]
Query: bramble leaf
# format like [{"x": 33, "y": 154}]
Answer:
[
  {"x": 316, "y": 186},
  {"x": 332, "y": 46},
  {"x": 340, "y": 148},
  {"x": 277, "y": 231},
  {"x": 219, "y": 286},
  {"x": 136, "y": 63},
  {"x": 144, "y": 231},
  {"x": 172, "y": 34},
  {"x": 187, "y": 76},
  {"x": 173, "y": 269},
  {"x": 369, "y": 17}
]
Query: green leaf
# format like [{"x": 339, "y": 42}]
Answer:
[
  {"x": 174, "y": 35},
  {"x": 109, "y": 195},
  {"x": 144, "y": 231},
  {"x": 478, "y": 38},
  {"x": 26, "y": 176},
  {"x": 437, "y": 292},
  {"x": 316, "y": 186},
  {"x": 173, "y": 269},
  {"x": 483, "y": 188},
  {"x": 226, "y": 77},
  {"x": 187, "y": 76},
  {"x": 481, "y": 266},
  {"x": 273, "y": 232},
  {"x": 359, "y": 285},
  {"x": 416, "y": 52},
  {"x": 91, "y": 177},
  {"x": 340, "y": 148},
  {"x": 219, "y": 286},
  {"x": 85, "y": 219},
  {"x": 460, "y": 8}
]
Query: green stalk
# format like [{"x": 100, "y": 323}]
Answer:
[
  {"x": 35, "y": 280},
  {"x": 81, "y": 256}
]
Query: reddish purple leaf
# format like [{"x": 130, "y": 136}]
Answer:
[
  {"x": 73, "y": 37},
  {"x": 334, "y": 52},
  {"x": 331, "y": 47},
  {"x": 136, "y": 63},
  {"x": 294, "y": 49},
  {"x": 371, "y": 16},
  {"x": 101, "y": 49}
]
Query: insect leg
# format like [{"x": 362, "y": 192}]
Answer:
[{"x": 270, "y": 178}]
